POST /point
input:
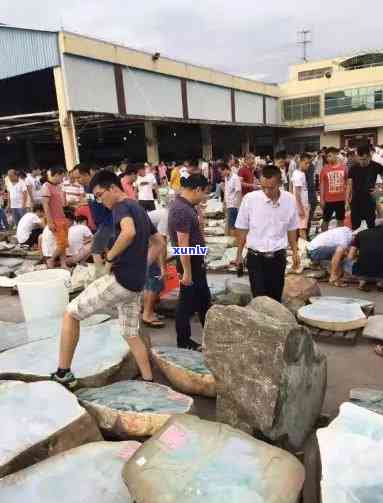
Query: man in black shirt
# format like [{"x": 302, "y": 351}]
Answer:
[
  {"x": 361, "y": 186},
  {"x": 136, "y": 244},
  {"x": 185, "y": 232}
]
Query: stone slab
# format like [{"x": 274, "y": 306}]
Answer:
[
  {"x": 332, "y": 316},
  {"x": 344, "y": 300},
  {"x": 351, "y": 449},
  {"x": 195, "y": 461},
  {"x": 39, "y": 420},
  {"x": 371, "y": 399},
  {"x": 374, "y": 327},
  {"x": 88, "y": 474},
  {"x": 133, "y": 408},
  {"x": 14, "y": 335},
  {"x": 298, "y": 290},
  {"x": 185, "y": 369},
  {"x": 101, "y": 353}
]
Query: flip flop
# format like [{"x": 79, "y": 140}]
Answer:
[
  {"x": 154, "y": 323},
  {"x": 378, "y": 350},
  {"x": 338, "y": 283}
]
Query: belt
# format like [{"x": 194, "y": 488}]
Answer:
[{"x": 266, "y": 254}]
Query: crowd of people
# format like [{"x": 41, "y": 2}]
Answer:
[{"x": 121, "y": 218}]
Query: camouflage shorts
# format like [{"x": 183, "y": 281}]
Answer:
[{"x": 105, "y": 293}]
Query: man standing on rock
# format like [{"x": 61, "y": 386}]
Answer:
[
  {"x": 185, "y": 232},
  {"x": 137, "y": 244},
  {"x": 267, "y": 222}
]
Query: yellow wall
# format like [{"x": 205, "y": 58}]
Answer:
[
  {"x": 330, "y": 140},
  {"x": 104, "y": 51},
  {"x": 380, "y": 136}
]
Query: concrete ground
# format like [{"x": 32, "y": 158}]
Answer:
[{"x": 348, "y": 366}]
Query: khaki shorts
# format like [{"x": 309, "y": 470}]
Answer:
[{"x": 106, "y": 293}]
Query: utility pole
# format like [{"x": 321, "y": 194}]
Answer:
[{"x": 304, "y": 40}]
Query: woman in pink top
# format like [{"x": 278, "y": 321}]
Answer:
[
  {"x": 162, "y": 170},
  {"x": 127, "y": 182}
]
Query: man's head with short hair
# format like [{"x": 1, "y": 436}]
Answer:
[
  {"x": 280, "y": 159},
  {"x": 141, "y": 171},
  {"x": 82, "y": 173},
  {"x": 363, "y": 155},
  {"x": 224, "y": 169},
  {"x": 194, "y": 188},
  {"x": 271, "y": 179},
  {"x": 56, "y": 174},
  {"x": 332, "y": 155},
  {"x": 106, "y": 187},
  {"x": 69, "y": 213},
  {"x": 304, "y": 161},
  {"x": 38, "y": 209}
]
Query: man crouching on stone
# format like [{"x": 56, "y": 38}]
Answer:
[{"x": 136, "y": 245}]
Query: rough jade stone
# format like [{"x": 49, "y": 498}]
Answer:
[{"x": 332, "y": 316}]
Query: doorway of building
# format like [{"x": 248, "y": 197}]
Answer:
[{"x": 359, "y": 138}]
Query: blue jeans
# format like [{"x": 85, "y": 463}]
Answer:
[
  {"x": 3, "y": 220},
  {"x": 17, "y": 214},
  {"x": 322, "y": 253}
]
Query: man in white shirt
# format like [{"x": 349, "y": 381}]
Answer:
[
  {"x": 31, "y": 226},
  {"x": 299, "y": 183},
  {"x": 267, "y": 222},
  {"x": 33, "y": 184},
  {"x": 145, "y": 184},
  {"x": 74, "y": 192},
  {"x": 18, "y": 196},
  {"x": 233, "y": 194},
  {"x": 80, "y": 241}
]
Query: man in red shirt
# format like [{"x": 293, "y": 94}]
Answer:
[
  {"x": 333, "y": 183},
  {"x": 246, "y": 175}
]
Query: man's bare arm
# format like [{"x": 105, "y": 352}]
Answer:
[
  {"x": 156, "y": 249},
  {"x": 184, "y": 240},
  {"x": 126, "y": 236},
  {"x": 241, "y": 239}
]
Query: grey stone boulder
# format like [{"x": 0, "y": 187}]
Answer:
[
  {"x": 238, "y": 294},
  {"x": 101, "y": 354},
  {"x": 133, "y": 408},
  {"x": 270, "y": 377},
  {"x": 39, "y": 420},
  {"x": 271, "y": 307},
  {"x": 87, "y": 474},
  {"x": 374, "y": 327},
  {"x": 185, "y": 370},
  {"x": 193, "y": 461},
  {"x": 298, "y": 290}
]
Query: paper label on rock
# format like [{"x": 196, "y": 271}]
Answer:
[{"x": 141, "y": 461}]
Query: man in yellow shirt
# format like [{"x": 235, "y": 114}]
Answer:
[{"x": 175, "y": 179}]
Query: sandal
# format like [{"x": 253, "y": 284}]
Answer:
[
  {"x": 338, "y": 283},
  {"x": 378, "y": 350},
  {"x": 154, "y": 323}
]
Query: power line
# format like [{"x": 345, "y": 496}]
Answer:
[{"x": 304, "y": 40}]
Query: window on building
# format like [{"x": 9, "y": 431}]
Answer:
[
  {"x": 317, "y": 73},
  {"x": 301, "y": 108},
  {"x": 363, "y": 61},
  {"x": 354, "y": 100},
  {"x": 302, "y": 144}
]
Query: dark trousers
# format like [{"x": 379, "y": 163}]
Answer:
[
  {"x": 267, "y": 274},
  {"x": 148, "y": 205},
  {"x": 33, "y": 238},
  {"x": 192, "y": 299},
  {"x": 363, "y": 211}
]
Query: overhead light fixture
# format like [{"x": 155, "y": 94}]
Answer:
[
  {"x": 8, "y": 138},
  {"x": 174, "y": 134},
  {"x": 125, "y": 138},
  {"x": 130, "y": 131}
]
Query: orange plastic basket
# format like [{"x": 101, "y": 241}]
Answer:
[{"x": 172, "y": 282}]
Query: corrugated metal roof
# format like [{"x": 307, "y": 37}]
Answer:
[{"x": 24, "y": 51}]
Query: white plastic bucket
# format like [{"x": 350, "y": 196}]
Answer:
[{"x": 44, "y": 294}]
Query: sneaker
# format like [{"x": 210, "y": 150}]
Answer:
[{"x": 69, "y": 380}]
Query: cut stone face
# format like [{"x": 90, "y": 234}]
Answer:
[
  {"x": 133, "y": 408},
  {"x": 14, "y": 335},
  {"x": 100, "y": 354},
  {"x": 186, "y": 370},
  {"x": 271, "y": 307},
  {"x": 374, "y": 327},
  {"x": 298, "y": 290},
  {"x": 371, "y": 399},
  {"x": 39, "y": 420},
  {"x": 90, "y": 474},
  {"x": 332, "y": 316},
  {"x": 351, "y": 449},
  {"x": 270, "y": 377},
  {"x": 194, "y": 461},
  {"x": 344, "y": 300}
]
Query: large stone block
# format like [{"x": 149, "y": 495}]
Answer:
[
  {"x": 133, "y": 408},
  {"x": 298, "y": 290},
  {"x": 39, "y": 420},
  {"x": 270, "y": 377},
  {"x": 100, "y": 355},
  {"x": 88, "y": 474},
  {"x": 271, "y": 307},
  {"x": 185, "y": 369},
  {"x": 194, "y": 461},
  {"x": 332, "y": 316}
]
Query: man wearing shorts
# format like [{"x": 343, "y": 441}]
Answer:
[
  {"x": 53, "y": 203},
  {"x": 233, "y": 195},
  {"x": 333, "y": 184},
  {"x": 299, "y": 183},
  {"x": 137, "y": 244}
]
